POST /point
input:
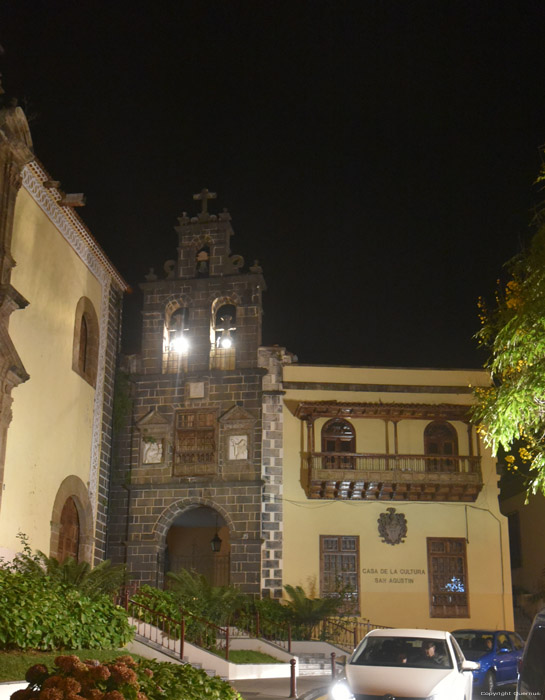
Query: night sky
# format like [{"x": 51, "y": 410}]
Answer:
[{"x": 377, "y": 157}]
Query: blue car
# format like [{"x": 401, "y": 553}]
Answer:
[{"x": 497, "y": 651}]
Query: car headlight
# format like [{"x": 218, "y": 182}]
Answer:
[
  {"x": 341, "y": 691},
  {"x": 440, "y": 696}
]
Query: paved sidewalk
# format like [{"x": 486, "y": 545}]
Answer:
[{"x": 308, "y": 688}]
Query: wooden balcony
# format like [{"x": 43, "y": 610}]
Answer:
[{"x": 371, "y": 477}]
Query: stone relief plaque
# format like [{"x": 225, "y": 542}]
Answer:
[
  {"x": 196, "y": 390},
  {"x": 152, "y": 452},
  {"x": 238, "y": 447}
]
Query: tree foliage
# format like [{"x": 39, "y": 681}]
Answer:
[{"x": 511, "y": 412}]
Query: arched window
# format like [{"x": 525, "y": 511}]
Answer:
[
  {"x": 338, "y": 438},
  {"x": 202, "y": 262},
  {"x": 86, "y": 341},
  {"x": 223, "y": 328},
  {"x": 440, "y": 442},
  {"x": 176, "y": 344},
  {"x": 83, "y": 343},
  {"x": 69, "y": 531}
]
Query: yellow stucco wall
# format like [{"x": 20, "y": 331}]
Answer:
[
  {"x": 394, "y": 578},
  {"x": 50, "y": 434},
  {"x": 530, "y": 576}
]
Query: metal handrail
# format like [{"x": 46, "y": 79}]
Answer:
[
  {"x": 278, "y": 633},
  {"x": 169, "y": 628}
]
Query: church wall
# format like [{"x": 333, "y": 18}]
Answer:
[
  {"x": 54, "y": 441},
  {"x": 393, "y": 578},
  {"x": 51, "y": 431}
]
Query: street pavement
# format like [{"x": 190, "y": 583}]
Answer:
[
  {"x": 316, "y": 688},
  {"x": 307, "y": 688}
]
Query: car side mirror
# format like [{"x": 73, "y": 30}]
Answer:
[
  {"x": 471, "y": 665},
  {"x": 504, "y": 650}
]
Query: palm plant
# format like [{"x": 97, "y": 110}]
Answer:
[
  {"x": 93, "y": 582},
  {"x": 218, "y": 604},
  {"x": 309, "y": 611}
]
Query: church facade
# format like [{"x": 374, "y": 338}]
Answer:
[
  {"x": 59, "y": 338},
  {"x": 187, "y": 482}
]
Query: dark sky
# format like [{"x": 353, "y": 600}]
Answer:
[{"x": 376, "y": 156}]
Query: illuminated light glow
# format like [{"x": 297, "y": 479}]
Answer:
[
  {"x": 180, "y": 344},
  {"x": 226, "y": 342},
  {"x": 341, "y": 691}
]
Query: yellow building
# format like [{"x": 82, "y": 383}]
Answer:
[
  {"x": 526, "y": 516},
  {"x": 57, "y": 360},
  {"x": 380, "y": 487}
]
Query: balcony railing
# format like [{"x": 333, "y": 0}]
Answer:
[
  {"x": 393, "y": 476},
  {"x": 405, "y": 463}
]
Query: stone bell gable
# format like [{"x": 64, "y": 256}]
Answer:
[{"x": 191, "y": 466}]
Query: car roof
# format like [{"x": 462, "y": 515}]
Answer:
[
  {"x": 478, "y": 631},
  {"x": 539, "y": 619},
  {"x": 400, "y": 632}
]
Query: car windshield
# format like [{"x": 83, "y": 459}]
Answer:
[
  {"x": 409, "y": 652},
  {"x": 475, "y": 644}
]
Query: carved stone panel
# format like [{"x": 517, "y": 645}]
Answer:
[
  {"x": 154, "y": 429},
  {"x": 237, "y": 442}
]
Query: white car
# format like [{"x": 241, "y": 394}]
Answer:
[{"x": 406, "y": 663}]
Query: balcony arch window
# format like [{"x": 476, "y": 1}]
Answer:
[
  {"x": 223, "y": 328},
  {"x": 86, "y": 341},
  {"x": 440, "y": 446},
  {"x": 338, "y": 444}
]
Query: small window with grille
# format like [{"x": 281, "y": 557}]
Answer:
[{"x": 339, "y": 569}]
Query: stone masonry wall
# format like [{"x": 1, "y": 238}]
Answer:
[
  {"x": 272, "y": 359},
  {"x": 147, "y": 498},
  {"x": 112, "y": 349}
]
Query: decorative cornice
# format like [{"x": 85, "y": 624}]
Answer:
[{"x": 70, "y": 224}]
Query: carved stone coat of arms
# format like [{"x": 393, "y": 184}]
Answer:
[{"x": 392, "y": 526}]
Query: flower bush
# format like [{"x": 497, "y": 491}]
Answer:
[{"x": 122, "y": 679}]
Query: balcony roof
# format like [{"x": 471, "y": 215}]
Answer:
[{"x": 310, "y": 410}]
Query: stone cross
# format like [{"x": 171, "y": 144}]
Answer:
[{"x": 204, "y": 196}]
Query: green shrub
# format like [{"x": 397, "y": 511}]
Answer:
[
  {"x": 37, "y": 612},
  {"x": 165, "y": 602},
  {"x": 123, "y": 678}
]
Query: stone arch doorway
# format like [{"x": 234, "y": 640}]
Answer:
[
  {"x": 198, "y": 540},
  {"x": 69, "y": 531},
  {"x": 72, "y": 522}
]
